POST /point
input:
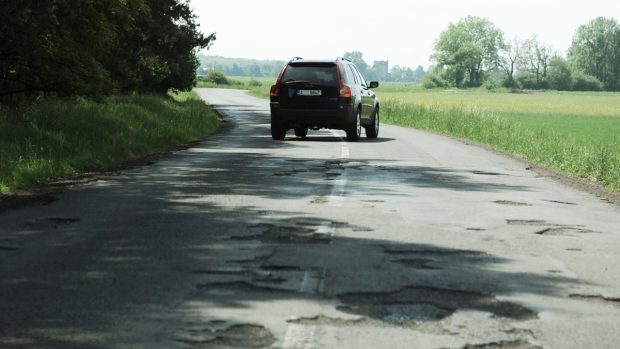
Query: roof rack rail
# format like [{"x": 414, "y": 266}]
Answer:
[
  {"x": 297, "y": 58},
  {"x": 343, "y": 59}
]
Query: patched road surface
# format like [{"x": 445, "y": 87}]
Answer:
[{"x": 411, "y": 240}]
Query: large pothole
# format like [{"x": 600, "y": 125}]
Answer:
[
  {"x": 236, "y": 336},
  {"x": 413, "y": 305}
]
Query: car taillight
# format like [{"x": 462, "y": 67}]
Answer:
[
  {"x": 345, "y": 91},
  {"x": 275, "y": 89}
]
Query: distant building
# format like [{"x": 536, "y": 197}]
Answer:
[{"x": 381, "y": 69}]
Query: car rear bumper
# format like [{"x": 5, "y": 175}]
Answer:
[{"x": 340, "y": 118}]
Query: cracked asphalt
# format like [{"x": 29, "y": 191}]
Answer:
[{"x": 411, "y": 240}]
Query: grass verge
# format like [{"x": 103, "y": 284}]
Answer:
[
  {"x": 594, "y": 161},
  {"x": 60, "y": 138}
]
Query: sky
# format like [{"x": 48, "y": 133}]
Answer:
[{"x": 402, "y": 32}]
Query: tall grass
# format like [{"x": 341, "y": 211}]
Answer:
[
  {"x": 600, "y": 162},
  {"x": 58, "y": 138}
]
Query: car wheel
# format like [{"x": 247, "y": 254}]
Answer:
[
  {"x": 355, "y": 131},
  {"x": 278, "y": 132},
  {"x": 301, "y": 132},
  {"x": 372, "y": 131}
]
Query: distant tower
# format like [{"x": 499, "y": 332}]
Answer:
[{"x": 381, "y": 69}]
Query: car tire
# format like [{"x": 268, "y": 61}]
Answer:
[
  {"x": 278, "y": 132},
  {"x": 355, "y": 130},
  {"x": 301, "y": 132},
  {"x": 372, "y": 131}
]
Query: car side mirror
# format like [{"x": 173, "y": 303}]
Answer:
[{"x": 373, "y": 84}]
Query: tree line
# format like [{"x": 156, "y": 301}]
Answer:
[
  {"x": 89, "y": 48},
  {"x": 396, "y": 73},
  {"x": 239, "y": 66},
  {"x": 473, "y": 52},
  {"x": 271, "y": 68}
]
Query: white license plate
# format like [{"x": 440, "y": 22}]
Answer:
[{"x": 309, "y": 92}]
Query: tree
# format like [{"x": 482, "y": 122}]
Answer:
[
  {"x": 510, "y": 55},
  {"x": 559, "y": 74},
  {"x": 596, "y": 51},
  {"x": 72, "y": 47},
  {"x": 418, "y": 74},
  {"x": 535, "y": 59},
  {"x": 356, "y": 58},
  {"x": 467, "y": 49}
]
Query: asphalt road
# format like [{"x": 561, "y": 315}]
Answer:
[{"x": 409, "y": 241}]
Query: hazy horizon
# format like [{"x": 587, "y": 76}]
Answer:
[{"x": 401, "y": 32}]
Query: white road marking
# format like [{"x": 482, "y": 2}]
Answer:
[
  {"x": 299, "y": 336},
  {"x": 336, "y": 196}
]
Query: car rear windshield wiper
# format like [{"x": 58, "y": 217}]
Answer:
[{"x": 291, "y": 82}]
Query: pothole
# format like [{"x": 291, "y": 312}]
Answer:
[
  {"x": 417, "y": 263},
  {"x": 563, "y": 231},
  {"x": 435, "y": 252},
  {"x": 332, "y": 174},
  {"x": 550, "y": 228},
  {"x": 487, "y": 173},
  {"x": 562, "y": 202},
  {"x": 62, "y": 220},
  {"x": 322, "y": 320},
  {"x": 236, "y": 287},
  {"x": 511, "y": 203},
  {"x": 291, "y": 234},
  {"x": 411, "y": 305},
  {"x": 275, "y": 267},
  {"x": 517, "y": 344},
  {"x": 51, "y": 222},
  {"x": 245, "y": 237},
  {"x": 343, "y": 164},
  {"x": 526, "y": 222},
  {"x": 270, "y": 280},
  {"x": 319, "y": 200},
  {"x": 236, "y": 336},
  {"x": 597, "y": 298},
  {"x": 222, "y": 271}
]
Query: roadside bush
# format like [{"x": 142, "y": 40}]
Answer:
[
  {"x": 510, "y": 83},
  {"x": 584, "y": 82},
  {"x": 528, "y": 81},
  {"x": 435, "y": 79},
  {"x": 216, "y": 77},
  {"x": 491, "y": 85}
]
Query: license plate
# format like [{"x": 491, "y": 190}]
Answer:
[{"x": 309, "y": 92}]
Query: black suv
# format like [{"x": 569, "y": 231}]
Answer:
[{"x": 315, "y": 94}]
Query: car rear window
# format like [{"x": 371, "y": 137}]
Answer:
[{"x": 316, "y": 74}]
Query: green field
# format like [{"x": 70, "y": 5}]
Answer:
[
  {"x": 258, "y": 87},
  {"x": 573, "y": 132},
  {"x": 59, "y": 138}
]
